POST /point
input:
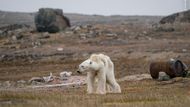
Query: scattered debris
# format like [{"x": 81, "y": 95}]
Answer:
[
  {"x": 58, "y": 85},
  {"x": 65, "y": 79},
  {"x": 36, "y": 79},
  {"x": 72, "y": 81},
  {"x": 65, "y": 75},
  {"x": 48, "y": 78}
]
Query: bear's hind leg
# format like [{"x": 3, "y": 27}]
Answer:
[{"x": 114, "y": 86}]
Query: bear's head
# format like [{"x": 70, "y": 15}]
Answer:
[{"x": 92, "y": 64}]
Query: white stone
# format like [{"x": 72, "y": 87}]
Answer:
[{"x": 59, "y": 49}]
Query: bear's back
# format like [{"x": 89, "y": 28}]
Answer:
[{"x": 107, "y": 59}]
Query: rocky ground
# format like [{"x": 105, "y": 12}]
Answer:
[{"x": 132, "y": 44}]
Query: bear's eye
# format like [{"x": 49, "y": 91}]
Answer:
[{"x": 90, "y": 62}]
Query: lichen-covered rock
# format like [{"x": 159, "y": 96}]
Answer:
[{"x": 51, "y": 20}]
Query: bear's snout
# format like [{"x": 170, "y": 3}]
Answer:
[{"x": 78, "y": 72}]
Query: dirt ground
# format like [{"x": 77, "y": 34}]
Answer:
[{"x": 131, "y": 46}]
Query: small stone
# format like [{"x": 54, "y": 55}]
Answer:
[
  {"x": 184, "y": 50},
  {"x": 163, "y": 76},
  {"x": 126, "y": 31},
  {"x": 14, "y": 38},
  {"x": 59, "y": 49},
  {"x": 111, "y": 35}
]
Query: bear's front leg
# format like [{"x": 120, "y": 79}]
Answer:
[
  {"x": 90, "y": 82},
  {"x": 101, "y": 89}
]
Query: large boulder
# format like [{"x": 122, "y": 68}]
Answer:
[
  {"x": 51, "y": 20},
  {"x": 181, "y": 17}
]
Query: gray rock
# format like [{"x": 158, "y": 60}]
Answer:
[
  {"x": 111, "y": 35},
  {"x": 77, "y": 28},
  {"x": 14, "y": 38},
  {"x": 163, "y": 76},
  {"x": 51, "y": 20}
]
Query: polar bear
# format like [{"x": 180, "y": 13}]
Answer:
[{"x": 100, "y": 67}]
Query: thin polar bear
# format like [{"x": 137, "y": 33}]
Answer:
[{"x": 100, "y": 67}]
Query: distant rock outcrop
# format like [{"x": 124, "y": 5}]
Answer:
[
  {"x": 51, "y": 20},
  {"x": 182, "y": 17}
]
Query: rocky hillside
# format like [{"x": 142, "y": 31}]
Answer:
[
  {"x": 76, "y": 19},
  {"x": 181, "y": 17},
  {"x": 7, "y": 18}
]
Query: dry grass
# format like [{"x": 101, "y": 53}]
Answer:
[{"x": 145, "y": 93}]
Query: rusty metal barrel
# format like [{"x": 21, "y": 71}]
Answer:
[{"x": 173, "y": 68}]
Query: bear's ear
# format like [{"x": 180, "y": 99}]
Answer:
[{"x": 94, "y": 58}]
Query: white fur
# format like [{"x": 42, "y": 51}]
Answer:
[{"x": 101, "y": 67}]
